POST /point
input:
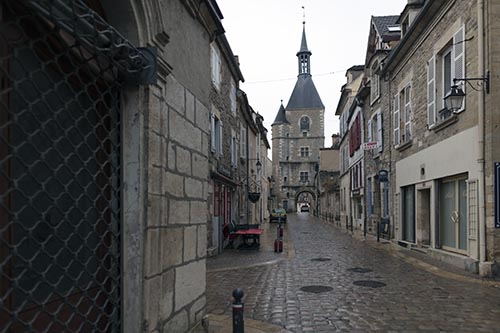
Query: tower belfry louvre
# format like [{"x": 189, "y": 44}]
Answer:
[{"x": 297, "y": 136}]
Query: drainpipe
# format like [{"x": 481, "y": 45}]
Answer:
[
  {"x": 481, "y": 66},
  {"x": 248, "y": 177}
]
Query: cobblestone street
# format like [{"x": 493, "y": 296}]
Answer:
[{"x": 357, "y": 286}]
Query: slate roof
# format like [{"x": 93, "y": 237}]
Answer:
[
  {"x": 382, "y": 23},
  {"x": 304, "y": 95},
  {"x": 280, "y": 117},
  {"x": 303, "y": 44}
]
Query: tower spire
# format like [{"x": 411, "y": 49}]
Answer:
[{"x": 304, "y": 54}]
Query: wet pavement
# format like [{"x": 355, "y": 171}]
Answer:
[{"x": 327, "y": 281}]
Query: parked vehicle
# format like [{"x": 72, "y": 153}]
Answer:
[
  {"x": 304, "y": 208},
  {"x": 278, "y": 215}
]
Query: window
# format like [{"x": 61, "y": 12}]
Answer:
[
  {"x": 304, "y": 123},
  {"x": 215, "y": 135},
  {"x": 232, "y": 95},
  {"x": 374, "y": 83},
  {"x": 304, "y": 176},
  {"x": 402, "y": 114},
  {"x": 356, "y": 172},
  {"x": 243, "y": 142},
  {"x": 304, "y": 151},
  {"x": 442, "y": 68},
  {"x": 355, "y": 135},
  {"x": 408, "y": 215},
  {"x": 215, "y": 66},
  {"x": 234, "y": 150},
  {"x": 375, "y": 130}
]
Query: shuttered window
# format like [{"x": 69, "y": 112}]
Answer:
[
  {"x": 459, "y": 58},
  {"x": 431, "y": 92},
  {"x": 396, "y": 121}
]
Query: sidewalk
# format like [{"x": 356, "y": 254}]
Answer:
[
  {"x": 265, "y": 255},
  {"x": 245, "y": 258},
  {"x": 419, "y": 259}
]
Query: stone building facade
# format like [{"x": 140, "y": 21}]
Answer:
[
  {"x": 224, "y": 142},
  {"x": 297, "y": 136},
  {"x": 383, "y": 36},
  {"x": 134, "y": 131},
  {"x": 447, "y": 208},
  {"x": 328, "y": 191},
  {"x": 354, "y": 76}
]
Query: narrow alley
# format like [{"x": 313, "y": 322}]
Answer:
[{"x": 328, "y": 281}]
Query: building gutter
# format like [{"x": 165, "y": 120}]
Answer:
[{"x": 481, "y": 107}]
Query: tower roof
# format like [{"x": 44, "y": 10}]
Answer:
[
  {"x": 281, "y": 116},
  {"x": 303, "y": 44},
  {"x": 304, "y": 95}
]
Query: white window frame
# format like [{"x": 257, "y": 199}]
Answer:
[
  {"x": 431, "y": 92},
  {"x": 304, "y": 151},
  {"x": 213, "y": 133},
  {"x": 243, "y": 142},
  {"x": 435, "y": 84},
  {"x": 407, "y": 135},
  {"x": 380, "y": 133},
  {"x": 375, "y": 130},
  {"x": 446, "y": 51},
  {"x": 396, "y": 119}
]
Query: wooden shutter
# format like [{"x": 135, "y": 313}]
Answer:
[
  {"x": 219, "y": 143},
  {"x": 407, "y": 118},
  {"x": 369, "y": 130},
  {"x": 212, "y": 133},
  {"x": 459, "y": 58},
  {"x": 431, "y": 91},
  {"x": 380, "y": 143},
  {"x": 396, "y": 121}
]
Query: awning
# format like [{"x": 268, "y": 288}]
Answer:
[{"x": 224, "y": 179}]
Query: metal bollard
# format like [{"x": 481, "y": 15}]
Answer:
[{"x": 238, "y": 323}]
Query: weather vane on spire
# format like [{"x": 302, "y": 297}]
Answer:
[{"x": 303, "y": 15}]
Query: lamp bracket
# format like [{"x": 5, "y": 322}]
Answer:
[{"x": 485, "y": 79}]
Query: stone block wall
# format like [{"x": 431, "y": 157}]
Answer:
[
  {"x": 176, "y": 227},
  {"x": 492, "y": 125}
]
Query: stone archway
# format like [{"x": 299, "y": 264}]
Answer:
[{"x": 305, "y": 197}]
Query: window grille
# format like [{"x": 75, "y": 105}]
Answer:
[
  {"x": 472, "y": 208},
  {"x": 59, "y": 178}
]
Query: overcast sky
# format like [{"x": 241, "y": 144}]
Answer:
[{"x": 266, "y": 36}]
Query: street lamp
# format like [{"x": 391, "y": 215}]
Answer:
[
  {"x": 254, "y": 196},
  {"x": 455, "y": 99}
]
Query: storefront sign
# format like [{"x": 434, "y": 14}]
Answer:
[
  {"x": 497, "y": 195},
  {"x": 370, "y": 145}
]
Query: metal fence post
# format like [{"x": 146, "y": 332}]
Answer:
[{"x": 238, "y": 322}]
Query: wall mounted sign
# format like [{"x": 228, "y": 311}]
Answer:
[{"x": 497, "y": 194}]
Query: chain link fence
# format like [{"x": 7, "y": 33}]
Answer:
[{"x": 59, "y": 177}]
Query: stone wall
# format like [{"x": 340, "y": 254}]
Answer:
[{"x": 175, "y": 249}]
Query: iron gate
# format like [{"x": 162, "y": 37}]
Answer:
[{"x": 59, "y": 178}]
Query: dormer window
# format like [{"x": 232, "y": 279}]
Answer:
[
  {"x": 394, "y": 28},
  {"x": 405, "y": 25}
]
